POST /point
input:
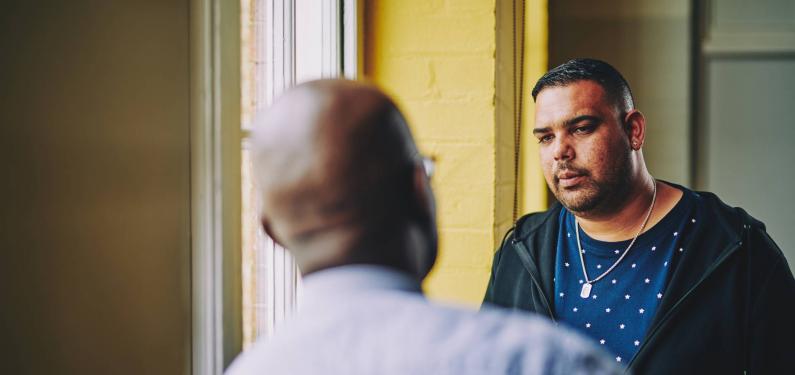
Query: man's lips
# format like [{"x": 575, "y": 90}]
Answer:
[
  {"x": 568, "y": 174},
  {"x": 570, "y": 178}
]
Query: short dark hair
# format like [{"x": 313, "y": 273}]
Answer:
[{"x": 583, "y": 69}]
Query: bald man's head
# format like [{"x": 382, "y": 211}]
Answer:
[{"x": 342, "y": 181}]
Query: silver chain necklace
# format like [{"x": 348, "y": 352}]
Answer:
[{"x": 586, "y": 287}]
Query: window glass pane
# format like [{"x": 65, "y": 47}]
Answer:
[
  {"x": 282, "y": 41},
  {"x": 308, "y": 42},
  {"x": 271, "y": 284}
]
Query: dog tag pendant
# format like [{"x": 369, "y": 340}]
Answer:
[{"x": 586, "y": 290}]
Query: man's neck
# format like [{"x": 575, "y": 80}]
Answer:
[{"x": 624, "y": 223}]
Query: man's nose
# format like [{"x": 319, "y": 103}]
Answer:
[{"x": 562, "y": 149}]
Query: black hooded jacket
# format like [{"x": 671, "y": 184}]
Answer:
[{"x": 729, "y": 305}]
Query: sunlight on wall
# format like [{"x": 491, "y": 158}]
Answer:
[{"x": 437, "y": 59}]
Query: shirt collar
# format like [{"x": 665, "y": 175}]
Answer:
[{"x": 345, "y": 280}]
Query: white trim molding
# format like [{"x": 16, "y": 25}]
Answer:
[
  {"x": 330, "y": 35},
  {"x": 748, "y": 29},
  {"x": 215, "y": 184},
  {"x": 352, "y": 38}
]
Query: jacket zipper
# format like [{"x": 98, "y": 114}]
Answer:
[
  {"x": 544, "y": 297},
  {"x": 670, "y": 312}
]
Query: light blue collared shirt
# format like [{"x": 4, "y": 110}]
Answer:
[{"x": 375, "y": 320}]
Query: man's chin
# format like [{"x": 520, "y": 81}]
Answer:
[{"x": 576, "y": 199}]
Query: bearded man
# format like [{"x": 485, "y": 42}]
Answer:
[{"x": 669, "y": 280}]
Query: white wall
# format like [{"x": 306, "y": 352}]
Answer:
[{"x": 745, "y": 129}]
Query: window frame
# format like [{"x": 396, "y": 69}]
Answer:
[
  {"x": 216, "y": 141},
  {"x": 215, "y": 181}
]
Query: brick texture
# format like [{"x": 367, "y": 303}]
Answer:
[{"x": 437, "y": 59}]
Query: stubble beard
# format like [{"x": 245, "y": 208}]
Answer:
[{"x": 595, "y": 197}]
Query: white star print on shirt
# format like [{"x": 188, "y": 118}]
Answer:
[
  {"x": 636, "y": 288},
  {"x": 618, "y": 359},
  {"x": 562, "y": 294},
  {"x": 574, "y": 309}
]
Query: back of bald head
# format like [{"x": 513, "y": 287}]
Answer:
[{"x": 335, "y": 162}]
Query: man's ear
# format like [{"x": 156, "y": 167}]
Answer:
[
  {"x": 422, "y": 191},
  {"x": 426, "y": 251},
  {"x": 635, "y": 124}
]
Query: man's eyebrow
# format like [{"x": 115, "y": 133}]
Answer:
[
  {"x": 569, "y": 123},
  {"x": 540, "y": 130},
  {"x": 582, "y": 118}
]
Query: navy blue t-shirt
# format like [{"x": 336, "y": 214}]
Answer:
[{"x": 620, "y": 307}]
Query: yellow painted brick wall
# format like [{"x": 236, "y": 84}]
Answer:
[
  {"x": 534, "y": 188},
  {"x": 437, "y": 59}
]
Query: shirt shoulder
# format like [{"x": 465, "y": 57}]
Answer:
[
  {"x": 531, "y": 344},
  {"x": 402, "y": 334}
]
